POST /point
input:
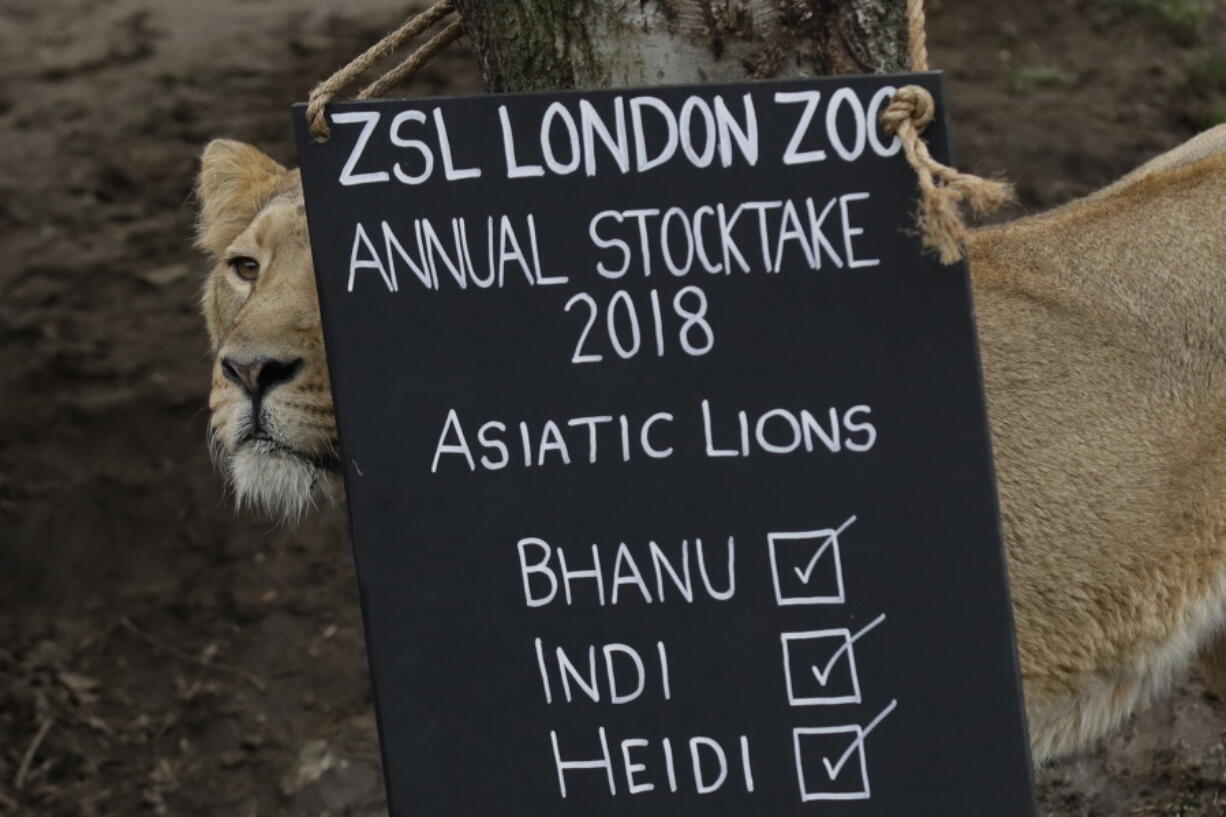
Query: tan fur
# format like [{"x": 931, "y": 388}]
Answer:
[
  {"x": 1103, "y": 334},
  {"x": 251, "y": 206}
]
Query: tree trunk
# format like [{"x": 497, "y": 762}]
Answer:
[{"x": 530, "y": 45}]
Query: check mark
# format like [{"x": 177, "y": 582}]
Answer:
[
  {"x": 834, "y": 770},
  {"x": 823, "y": 675},
  {"x": 807, "y": 573}
]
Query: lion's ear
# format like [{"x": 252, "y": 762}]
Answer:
[{"x": 236, "y": 180}]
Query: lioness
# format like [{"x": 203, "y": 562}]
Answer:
[{"x": 1103, "y": 334}]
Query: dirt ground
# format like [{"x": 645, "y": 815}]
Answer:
[{"x": 159, "y": 653}]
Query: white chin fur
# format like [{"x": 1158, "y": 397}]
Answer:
[{"x": 277, "y": 485}]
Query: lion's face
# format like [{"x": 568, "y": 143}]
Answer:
[{"x": 272, "y": 429}]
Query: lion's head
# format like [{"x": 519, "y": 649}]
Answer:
[{"x": 272, "y": 429}]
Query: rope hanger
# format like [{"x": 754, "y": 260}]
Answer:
[
  {"x": 324, "y": 92},
  {"x": 942, "y": 188}
]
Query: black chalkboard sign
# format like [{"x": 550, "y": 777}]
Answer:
[{"x": 666, "y": 457}]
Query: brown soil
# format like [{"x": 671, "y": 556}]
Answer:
[{"x": 159, "y": 653}]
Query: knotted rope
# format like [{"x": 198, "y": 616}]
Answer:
[
  {"x": 942, "y": 188},
  {"x": 326, "y": 90}
]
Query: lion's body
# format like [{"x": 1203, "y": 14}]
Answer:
[{"x": 1103, "y": 335}]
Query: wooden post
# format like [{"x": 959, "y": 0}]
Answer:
[{"x": 527, "y": 45}]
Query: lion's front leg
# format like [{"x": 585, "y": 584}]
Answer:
[{"x": 1213, "y": 663}]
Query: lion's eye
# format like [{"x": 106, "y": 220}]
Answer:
[{"x": 245, "y": 268}]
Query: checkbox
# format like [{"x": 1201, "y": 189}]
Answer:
[
  {"x": 820, "y": 667},
  {"x": 818, "y": 750},
  {"x": 807, "y": 566},
  {"x": 831, "y": 761}
]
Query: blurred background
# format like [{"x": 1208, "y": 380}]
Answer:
[{"x": 161, "y": 655}]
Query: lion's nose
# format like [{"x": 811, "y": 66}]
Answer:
[{"x": 260, "y": 375}]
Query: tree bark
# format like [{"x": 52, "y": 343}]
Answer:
[{"x": 531, "y": 45}]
